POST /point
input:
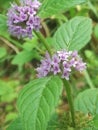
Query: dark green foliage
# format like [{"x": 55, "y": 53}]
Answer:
[{"x": 42, "y": 105}]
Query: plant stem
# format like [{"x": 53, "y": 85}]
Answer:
[
  {"x": 13, "y": 41},
  {"x": 70, "y": 100},
  {"x": 74, "y": 88},
  {"x": 46, "y": 29},
  {"x": 42, "y": 39},
  {"x": 89, "y": 81},
  {"x": 9, "y": 44},
  {"x": 17, "y": 2}
]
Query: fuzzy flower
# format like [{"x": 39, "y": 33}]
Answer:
[
  {"x": 62, "y": 62},
  {"x": 23, "y": 19}
]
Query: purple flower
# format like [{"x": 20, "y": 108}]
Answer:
[
  {"x": 66, "y": 75},
  {"x": 45, "y": 66},
  {"x": 62, "y": 62},
  {"x": 66, "y": 66},
  {"x": 80, "y": 66},
  {"x": 74, "y": 54},
  {"x": 55, "y": 69},
  {"x": 63, "y": 55},
  {"x": 23, "y": 19},
  {"x": 55, "y": 59},
  {"x": 73, "y": 62}
]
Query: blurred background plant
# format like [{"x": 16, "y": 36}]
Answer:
[{"x": 18, "y": 58}]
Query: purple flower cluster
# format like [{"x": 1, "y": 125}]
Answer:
[
  {"x": 63, "y": 62},
  {"x": 22, "y": 19}
]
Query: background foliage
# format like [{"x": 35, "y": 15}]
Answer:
[{"x": 76, "y": 20}]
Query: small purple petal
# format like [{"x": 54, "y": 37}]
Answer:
[
  {"x": 66, "y": 75},
  {"x": 23, "y": 16},
  {"x": 61, "y": 63},
  {"x": 56, "y": 69}
]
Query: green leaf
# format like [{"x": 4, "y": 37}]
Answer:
[
  {"x": 74, "y": 34},
  {"x": 5, "y": 4},
  {"x": 95, "y": 121},
  {"x": 96, "y": 31},
  {"x": 37, "y": 100},
  {"x": 3, "y": 24},
  {"x": 53, "y": 123},
  {"x": 30, "y": 44},
  {"x": 7, "y": 92},
  {"x": 87, "y": 101},
  {"x": 52, "y": 7},
  {"x": 10, "y": 116},
  {"x": 3, "y": 52},
  {"x": 3, "y": 88},
  {"x": 24, "y": 57},
  {"x": 16, "y": 125}
]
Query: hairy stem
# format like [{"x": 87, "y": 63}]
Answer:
[
  {"x": 46, "y": 29},
  {"x": 17, "y": 2},
  {"x": 42, "y": 39},
  {"x": 70, "y": 100}
]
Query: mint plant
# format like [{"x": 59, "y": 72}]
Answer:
[{"x": 38, "y": 99}]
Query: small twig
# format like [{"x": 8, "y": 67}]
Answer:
[
  {"x": 46, "y": 29},
  {"x": 43, "y": 40},
  {"x": 9, "y": 44}
]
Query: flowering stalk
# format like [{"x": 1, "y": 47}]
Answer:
[
  {"x": 41, "y": 37},
  {"x": 23, "y": 18},
  {"x": 62, "y": 63},
  {"x": 47, "y": 31},
  {"x": 67, "y": 87}
]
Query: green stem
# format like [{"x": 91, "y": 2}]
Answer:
[
  {"x": 41, "y": 51},
  {"x": 9, "y": 44},
  {"x": 46, "y": 29},
  {"x": 17, "y": 2},
  {"x": 12, "y": 41},
  {"x": 41, "y": 37},
  {"x": 74, "y": 88},
  {"x": 70, "y": 100},
  {"x": 89, "y": 81},
  {"x": 60, "y": 22}
]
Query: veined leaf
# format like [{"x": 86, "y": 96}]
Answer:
[
  {"x": 24, "y": 57},
  {"x": 37, "y": 100},
  {"x": 16, "y": 125},
  {"x": 3, "y": 24},
  {"x": 95, "y": 121},
  {"x": 87, "y": 101},
  {"x": 52, "y": 7},
  {"x": 74, "y": 34}
]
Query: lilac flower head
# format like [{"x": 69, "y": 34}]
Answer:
[
  {"x": 62, "y": 62},
  {"x": 23, "y": 19},
  {"x": 45, "y": 66}
]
